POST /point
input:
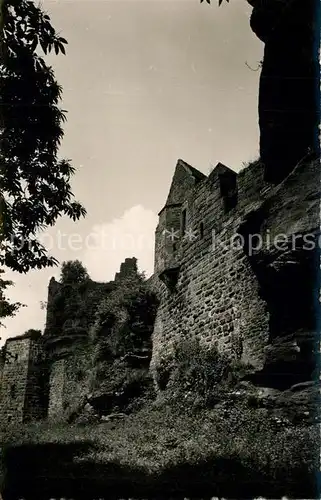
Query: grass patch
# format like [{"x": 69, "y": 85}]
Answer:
[{"x": 171, "y": 448}]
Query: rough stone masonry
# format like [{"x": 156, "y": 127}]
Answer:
[{"x": 256, "y": 302}]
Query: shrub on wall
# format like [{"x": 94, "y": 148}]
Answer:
[
  {"x": 76, "y": 300},
  {"x": 125, "y": 318},
  {"x": 32, "y": 334},
  {"x": 73, "y": 272},
  {"x": 102, "y": 351},
  {"x": 121, "y": 338}
]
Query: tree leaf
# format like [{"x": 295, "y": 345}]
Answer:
[
  {"x": 62, "y": 48},
  {"x": 34, "y": 44},
  {"x": 44, "y": 46}
]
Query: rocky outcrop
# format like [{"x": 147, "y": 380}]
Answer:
[
  {"x": 287, "y": 268},
  {"x": 289, "y": 84},
  {"x": 300, "y": 404}
]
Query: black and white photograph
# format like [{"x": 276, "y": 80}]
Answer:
[{"x": 160, "y": 237}]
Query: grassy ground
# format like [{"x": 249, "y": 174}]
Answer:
[{"x": 166, "y": 450}]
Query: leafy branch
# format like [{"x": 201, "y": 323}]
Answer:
[
  {"x": 219, "y": 1},
  {"x": 34, "y": 183}
]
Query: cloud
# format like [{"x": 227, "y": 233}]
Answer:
[{"x": 131, "y": 235}]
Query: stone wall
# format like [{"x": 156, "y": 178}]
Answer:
[
  {"x": 69, "y": 380},
  {"x": 216, "y": 294},
  {"x": 216, "y": 297},
  {"x": 56, "y": 390},
  {"x": 36, "y": 397},
  {"x": 21, "y": 387},
  {"x": 14, "y": 379}
]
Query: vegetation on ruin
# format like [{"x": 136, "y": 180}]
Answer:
[
  {"x": 198, "y": 369},
  {"x": 72, "y": 309},
  {"x": 122, "y": 346},
  {"x": 125, "y": 318},
  {"x": 201, "y": 436},
  {"x": 113, "y": 323}
]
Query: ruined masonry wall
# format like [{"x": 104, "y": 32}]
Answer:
[
  {"x": 69, "y": 383},
  {"x": 56, "y": 388},
  {"x": 14, "y": 381},
  {"x": 77, "y": 379},
  {"x": 216, "y": 298},
  {"x": 36, "y": 388}
]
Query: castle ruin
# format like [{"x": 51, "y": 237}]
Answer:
[
  {"x": 236, "y": 266},
  {"x": 236, "y": 254}
]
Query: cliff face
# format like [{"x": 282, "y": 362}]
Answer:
[
  {"x": 289, "y": 92},
  {"x": 286, "y": 267}
]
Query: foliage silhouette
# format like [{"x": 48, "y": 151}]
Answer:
[{"x": 35, "y": 183}]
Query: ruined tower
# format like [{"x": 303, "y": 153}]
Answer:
[
  {"x": 172, "y": 223},
  {"x": 22, "y": 391},
  {"x": 128, "y": 268}
]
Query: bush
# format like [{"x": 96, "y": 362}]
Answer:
[
  {"x": 126, "y": 316},
  {"x": 76, "y": 299},
  {"x": 199, "y": 369},
  {"x": 102, "y": 351},
  {"x": 162, "y": 373},
  {"x": 73, "y": 272}
]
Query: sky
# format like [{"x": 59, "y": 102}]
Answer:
[{"x": 145, "y": 82}]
